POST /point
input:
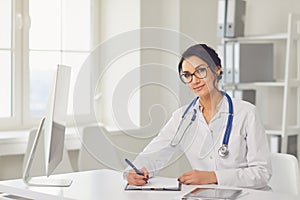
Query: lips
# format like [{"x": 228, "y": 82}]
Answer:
[{"x": 198, "y": 87}]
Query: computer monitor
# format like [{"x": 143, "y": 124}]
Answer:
[{"x": 54, "y": 130}]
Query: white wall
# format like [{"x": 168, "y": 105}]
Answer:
[
  {"x": 268, "y": 16},
  {"x": 117, "y": 18},
  {"x": 11, "y": 167},
  {"x": 198, "y": 19},
  {"x": 186, "y": 19}
]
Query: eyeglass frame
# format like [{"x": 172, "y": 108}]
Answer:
[{"x": 194, "y": 74}]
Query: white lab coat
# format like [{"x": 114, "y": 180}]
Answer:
[{"x": 248, "y": 162}]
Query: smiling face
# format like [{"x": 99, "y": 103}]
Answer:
[{"x": 201, "y": 87}]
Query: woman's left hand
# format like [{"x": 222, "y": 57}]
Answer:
[{"x": 196, "y": 177}]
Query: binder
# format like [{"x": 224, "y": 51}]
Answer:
[
  {"x": 253, "y": 62},
  {"x": 222, "y": 7},
  {"x": 235, "y": 15},
  {"x": 221, "y": 54},
  {"x": 248, "y": 62},
  {"x": 236, "y": 60},
  {"x": 229, "y": 63}
]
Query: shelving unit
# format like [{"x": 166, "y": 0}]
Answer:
[{"x": 288, "y": 88}]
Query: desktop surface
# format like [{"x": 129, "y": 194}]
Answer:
[{"x": 109, "y": 184}]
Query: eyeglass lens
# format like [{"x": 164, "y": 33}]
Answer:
[{"x": 200, "y": 72}]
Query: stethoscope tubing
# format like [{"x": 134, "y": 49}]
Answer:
[
  {"x": 181, "y": 121},
  {"x": 223, "y": 150},
  {"x": 229, "y": 120}
]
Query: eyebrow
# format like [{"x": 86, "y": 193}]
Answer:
[
  {"x": 199, "y": 66},
  {"x": 186, "y": 72}
]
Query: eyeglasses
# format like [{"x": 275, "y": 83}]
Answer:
[{"x": 200, "y": 72}]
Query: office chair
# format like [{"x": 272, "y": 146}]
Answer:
[
  {"x": 285, "y": 174},
  {"x": 38, "y": 165},
  {"x": 98, "y": 152}
]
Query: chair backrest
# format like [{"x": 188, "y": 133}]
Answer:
[
  {"x": 38, "y": 164},
  {"x": 285, "y": 174},
  {"x": 98, "y": 152}
]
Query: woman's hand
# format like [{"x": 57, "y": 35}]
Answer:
[
  {"x": 196, "y": 177},
  {"x": 137, "y": 180}
]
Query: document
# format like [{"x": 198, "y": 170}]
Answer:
[
  {"x": 158, "y": 184},
  {"x": 212, "y": 193}
]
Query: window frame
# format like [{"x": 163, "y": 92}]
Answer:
[
  {"x": 21, "y": 117},
  {"x": 15, "y": 120}
]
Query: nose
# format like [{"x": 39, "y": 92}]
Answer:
[{"x": 195, "y": 79}]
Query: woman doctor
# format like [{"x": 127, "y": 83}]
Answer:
[{"x": 223, "y": 138}]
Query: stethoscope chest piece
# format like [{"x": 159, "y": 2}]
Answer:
[{"x": 223, "y": 150}]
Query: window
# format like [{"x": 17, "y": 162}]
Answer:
[
  {"x": 60, "y": 33},
  {"x": 5, "y": 59},
  {"x": 57, "y": 32}
]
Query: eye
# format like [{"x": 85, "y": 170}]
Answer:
[
  {"x": 186, "y": 75},
  {"x": 201, "y": 70}
]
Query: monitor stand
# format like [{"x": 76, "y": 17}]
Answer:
[{"x": 41, "y": 181}]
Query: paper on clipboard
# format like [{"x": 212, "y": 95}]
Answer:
[{"x": 158, "y": 183}]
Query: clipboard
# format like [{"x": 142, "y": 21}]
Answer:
[{"x": 158, "y": 184}]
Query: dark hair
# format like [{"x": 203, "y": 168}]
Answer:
[{"x": 204, "y": 52}]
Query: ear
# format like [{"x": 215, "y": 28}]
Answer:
[{"x": 219, "y": 70}]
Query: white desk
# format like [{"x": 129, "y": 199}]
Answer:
[{"x": 108, "y": 184}]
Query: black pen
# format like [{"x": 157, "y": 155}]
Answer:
[{"x": 134, "y": 167}]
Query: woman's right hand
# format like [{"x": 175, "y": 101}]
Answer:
[{"x": 137, "y": 180}]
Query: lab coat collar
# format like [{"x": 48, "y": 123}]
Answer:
[{"x": 221, "y": 107}]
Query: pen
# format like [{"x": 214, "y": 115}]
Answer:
[{"x": 134, "y": 167}]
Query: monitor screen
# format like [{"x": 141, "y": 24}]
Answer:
[{"x": 56, "y": 119}]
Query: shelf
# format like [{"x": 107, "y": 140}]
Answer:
[
  {"x": 256, "y": 85},
  {"x": 290, "y": 81},
  {"x": 291, "y": 130},
  {"x": 280, "y": 36},
  {"x": 274, "y": 132},
  {"x": 251, "y": 86}
]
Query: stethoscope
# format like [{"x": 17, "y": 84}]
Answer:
[{"x": 223, "y": 150}]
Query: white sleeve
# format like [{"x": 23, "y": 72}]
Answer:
[{"x": 258, "y": 171}]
